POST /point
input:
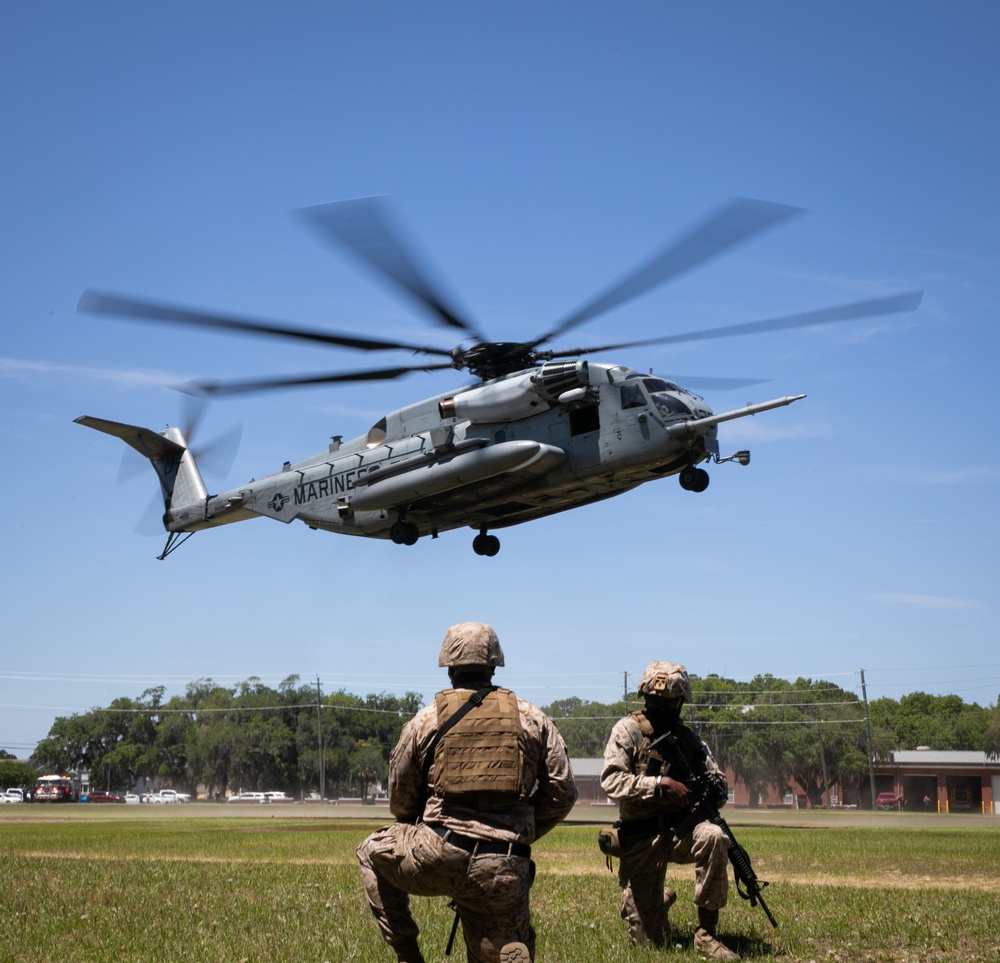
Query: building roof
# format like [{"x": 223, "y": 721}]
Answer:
[
  {"x": 586, "y": 767},
  {"x": 947, "y": 757}
]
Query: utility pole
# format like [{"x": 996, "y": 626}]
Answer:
[
  {"x": 625, "y": 692},
  {"x": 319, "y": 741},
  {"x": 868, "y": 736},
  {"x": 822, "y": 760}
]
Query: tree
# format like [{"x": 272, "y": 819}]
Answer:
[
  {"x": 772, "y": 732},
  {"x": 367, "y": 766},
  {"x": 991, "y": 739},
  {"x": 941, "y": 722},
  {"x": 585, "y": 726},
  {"x": 14, "y": 773},
  {"x": 210, "y": 740}
]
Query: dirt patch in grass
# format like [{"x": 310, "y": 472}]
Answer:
[
  {"x": 192, "y": 858},
  {"x": 887, "y": 882}
]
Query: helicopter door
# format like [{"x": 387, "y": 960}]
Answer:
[
  {"x": 584, "y": 436},
  {"x": 626, "y": 426}
]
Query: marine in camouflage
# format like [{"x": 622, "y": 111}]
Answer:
[
  {"x": 646, "y": 805},
  {"x": 417, "y": 856}
]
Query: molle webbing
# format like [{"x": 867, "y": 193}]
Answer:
[
  {"x": 691, "y": 745},
  {"x": 483, "y": 753},
  {"x": 647, "y": 737}
]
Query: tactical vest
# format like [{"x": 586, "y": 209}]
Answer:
[
  {"x": 484, "y": 752},
  {"x": 691, "y": 745}
]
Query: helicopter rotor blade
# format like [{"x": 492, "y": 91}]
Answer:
[
  {"x": 194, "y": 408},
  {"x": 734, "y": 223},
  {"x": 363, "y": 227},
  {"x": 216, "y": 456},
  {"x": 217, "y": 388},
  {"x": 711, "y": 383},
  {"x": 871, "y": 308},
  {"x": 100, "y": 302}
]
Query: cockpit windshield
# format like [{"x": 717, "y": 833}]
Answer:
[{"x": 670, "y": 398}]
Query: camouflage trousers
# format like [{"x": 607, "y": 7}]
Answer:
[
  {"x": 491, "y": 892},
  {"x": 643, "y": 868}
]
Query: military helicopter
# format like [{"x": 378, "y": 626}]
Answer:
[{"x": 543, "y": 431}]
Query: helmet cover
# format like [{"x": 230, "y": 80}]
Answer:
[
  {"x": 470, "y": 643},
  {"x": 665, "y": 680}
]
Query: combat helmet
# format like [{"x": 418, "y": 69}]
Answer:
[
  {"x": 665, "y": 680},
  {"x": 470, "y": 644}
]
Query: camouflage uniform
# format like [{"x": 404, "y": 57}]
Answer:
[
  {"x": 646, "y": 852},
  {"x": 415, "y": 855}
]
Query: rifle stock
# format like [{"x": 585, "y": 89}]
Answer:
[{"x": 706, "y": 809}]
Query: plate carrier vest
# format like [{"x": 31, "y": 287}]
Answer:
[
  {"x": 691, "y": 745},
  {"x": 484, "y": 752}
]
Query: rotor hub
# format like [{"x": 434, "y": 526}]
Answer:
[{"x": 493, "y": 359}]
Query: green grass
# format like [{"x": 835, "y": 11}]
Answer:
[{"x": 138, "y": 885}]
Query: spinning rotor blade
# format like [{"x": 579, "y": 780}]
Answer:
[
  {"x": 362, "y": 226},
  {"x": 736, "y": 222},
  {"x": 267, "y": 384},
  {"x": 217, "y": 455},
  {"x": 98, "y": 302},
  {"x": 845, "y": 312},
  {"x": 711, "y": 383}
]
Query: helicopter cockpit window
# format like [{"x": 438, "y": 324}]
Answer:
[
  {"x": 632, "y": 395},
  {"x": 665, "y": 396},
  {"x": 658, "y": 384}
]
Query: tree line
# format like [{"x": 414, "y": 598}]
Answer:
[
  {"x": 246, "y": 737},
  {"x": 253, "y": 737}
]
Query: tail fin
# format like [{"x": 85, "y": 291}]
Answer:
[{"x": 168, "y": 453}]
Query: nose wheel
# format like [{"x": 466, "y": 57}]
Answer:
[
  {"x": 693, "y": 479},
  {"x": 484, "y": 544}
]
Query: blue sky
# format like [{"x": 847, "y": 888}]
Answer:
[{"x": 535, "y": 153}]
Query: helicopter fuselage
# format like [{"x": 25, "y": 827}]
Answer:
[{"x": 519, "y": 447}]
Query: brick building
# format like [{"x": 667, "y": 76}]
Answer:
[{"x": 949, "y": 781}]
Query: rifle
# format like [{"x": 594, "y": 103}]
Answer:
[{"x": 706, "y": 809}]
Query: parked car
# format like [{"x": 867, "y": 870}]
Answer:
[
  {"x": 132, "y": 798},
  {"x": 12, "y": 796},
  {"x": 100, "y": 796},
  {"x": 248, "y": 797},
  {"x": 168, "y": 796},
  {"x": 277, "y": 796},
  {"x": 887, "y": 800}
]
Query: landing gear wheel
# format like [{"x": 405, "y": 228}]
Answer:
[
  {"x": 484, "y": 544},
  {"x": 404, "y": 533},
  {"x": 693, "y": 479}
]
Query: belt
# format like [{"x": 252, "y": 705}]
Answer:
[{"x": 479, "y": 847}]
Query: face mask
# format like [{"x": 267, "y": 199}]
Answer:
[{"x": 663, "y": 714}]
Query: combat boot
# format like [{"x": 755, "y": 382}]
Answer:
[
  {"x": 407, "y": 950},
  {"x": 705, "y": 940},
  {"x": 515, "y": 953}
]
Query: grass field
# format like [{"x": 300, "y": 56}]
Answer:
[{"x": 203, "y": 883}]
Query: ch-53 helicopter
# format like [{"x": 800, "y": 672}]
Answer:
[{"x": 543, "y": 432}]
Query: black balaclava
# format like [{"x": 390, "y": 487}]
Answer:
[{"x": 663, "y": 714}]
